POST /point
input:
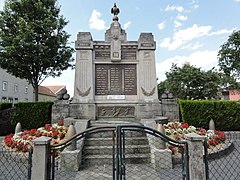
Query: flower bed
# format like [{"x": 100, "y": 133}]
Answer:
[
  {"x": 177, "y": 130},
  {"x": 22, "y": 141}
]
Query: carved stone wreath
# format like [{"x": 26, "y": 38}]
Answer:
[
  {"x": 145, "y": 93},
  {"x": 83, "y": 94}
]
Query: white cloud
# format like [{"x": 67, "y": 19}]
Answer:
[
  {"x": 182, "y": 18},
  {"x": 126, "y": 25},
  {"x": 182, "y": 36},
  {"x": 174, "y": 8},
  {"x": 195, "y": 6},
  {"x": 204, "y": 59},
  {"x": 190, "y": 46},
  {"x": 185, "y": 35},
  {"x": 95, "y": 21},
  {"x": 222, "y": 31},
  {"x": 177, "y": 24},
  {"x": 161, "y": 25},
  {"x": 237, "y": 0}
]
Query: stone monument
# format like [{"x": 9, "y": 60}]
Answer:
[{"x": 115, "y": 78}]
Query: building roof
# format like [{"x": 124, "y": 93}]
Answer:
[
  {"x": 56, "y": 89},
  {"x": 46, "y": 91}
]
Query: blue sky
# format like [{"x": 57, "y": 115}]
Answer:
[{"x": 185, "y": 31}]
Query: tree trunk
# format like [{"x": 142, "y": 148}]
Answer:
[{"x": 36, "y": 92}]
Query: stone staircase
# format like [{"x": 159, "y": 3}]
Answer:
[{"x": 99, "y": 148}]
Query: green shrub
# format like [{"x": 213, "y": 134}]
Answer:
[
  {"x": 226, "y": 114},
  {"x": 32, "y": 114},
  {"x": 5, "y": 106},
  {"x": 5, "y": 123}
]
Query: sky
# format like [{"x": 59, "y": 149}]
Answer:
[{"x": 185, "y": 31}]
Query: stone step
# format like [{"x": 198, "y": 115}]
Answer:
[
  {"x": 98, "y": 147},
  {"x": 114, "y": 122},
  {"x": 108, "y": 159},
  {"x": 116, "y": 119},
  {"x": 108, "y": 134},
  {"x": 104, "y": 150},
  {"x": 109, "y": 141}
]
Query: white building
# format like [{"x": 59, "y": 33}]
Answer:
[{"x": 14, "y": 89}]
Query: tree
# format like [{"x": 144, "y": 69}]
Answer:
[
  {"x": 33, "y": 42},
  {"x": 189, "y": 82},
  {"x": 229, "y": 56}
]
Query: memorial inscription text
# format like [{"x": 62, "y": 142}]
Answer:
[{"x": 118, "y": 79}]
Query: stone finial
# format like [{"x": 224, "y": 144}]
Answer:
[
  {"x": 162, "y": 144},
  {"x": 115, "y": 11},
  {"x": 71, "y": 132},
  {"x": 211, "y": 125},
  {"x": 18, "y": 128}
]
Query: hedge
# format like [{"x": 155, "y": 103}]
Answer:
[
  {"x": 4, "y": 106},
  {"x": 226, "y": 114},
  {"x": 5, "y": 123},
  {"x": 29, "y": 114}
]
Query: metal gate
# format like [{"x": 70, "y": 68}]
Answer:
[
  {"x": 223, "y": 161},
  {"x": 119, "y": 152}
]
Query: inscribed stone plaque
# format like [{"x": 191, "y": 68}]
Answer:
[
  {"x": 129, "y": 55},
  {"x": 101, "y": 76},
  {"x": 147, "y": 45},
  {"x": 119, "y": 79},
  {"x": 102, "y": 54},
  {"x": 130, "y": 80},
  {"x": 115, "y": 79}
]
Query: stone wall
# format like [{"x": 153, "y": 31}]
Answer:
[{"x": 170, "y": 109}]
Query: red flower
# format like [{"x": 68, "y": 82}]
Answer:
[
  {"x": 48, "y": 127},
  {"x": 201, "y": 131},
  {"x": 55, "y": 134},
  {"x": 60, "y": 123},
  {"x": 25, "y": 148},
  {"x": 185, "y": 125},
  {"x": 32, "y": 132},
  {"x": 213, "y": 142}
]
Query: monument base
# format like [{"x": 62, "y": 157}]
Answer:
[{"x": 118, "y": 110}]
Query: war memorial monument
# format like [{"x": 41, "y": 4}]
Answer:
[{"x": 114, "y": 78}]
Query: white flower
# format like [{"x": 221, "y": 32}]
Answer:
[
  {"x": 180, "y": 131},
  {"x": 168, "y": 131},
  {"x": 210, "y": 134},
  {"x": 191, "y": 129}
]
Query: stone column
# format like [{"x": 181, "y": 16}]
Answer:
[
  {"x": 40, "y": 158},
  {"x": 196, "y": 164}
]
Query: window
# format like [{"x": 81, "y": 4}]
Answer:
[
  {"x": 16, "y": 100},
  {"x": 26, "y": 90},
  {"x": 4, "y": 85},
  {"x": 15, "y": 88},
  {"x": 10, "y": 99},
  {"x": 26, "y": 99},
  {"x": 4, "y": 99}
]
